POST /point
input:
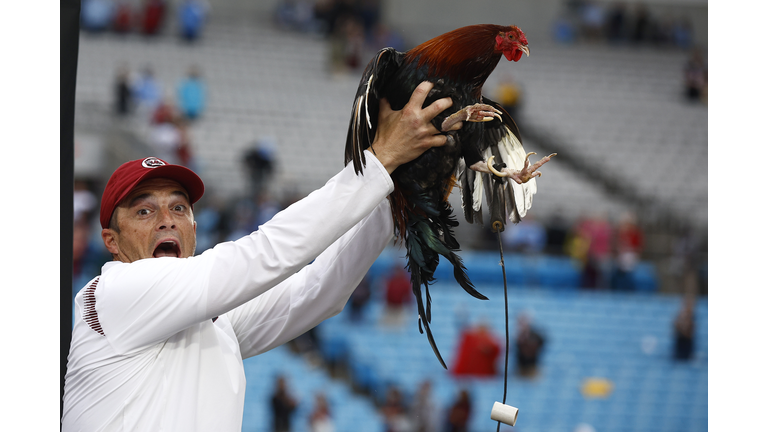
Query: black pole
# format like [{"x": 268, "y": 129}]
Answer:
[{"x": 70, "y": 31}]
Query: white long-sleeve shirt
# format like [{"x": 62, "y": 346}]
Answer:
[{"x": 158, "y": 344}]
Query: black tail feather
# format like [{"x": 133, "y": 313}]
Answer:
[
  {"x": 460, "y": 274},
  {"x": 429, "y": 235},
  {"x": 425, "y": 321}
]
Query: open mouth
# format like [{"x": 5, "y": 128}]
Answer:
[{"x": 168, "y": 248}]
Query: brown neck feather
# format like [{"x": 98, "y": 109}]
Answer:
[{"x": 466, "y": 54}]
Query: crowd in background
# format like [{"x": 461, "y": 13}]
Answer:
[
  {"x": 479, "y": 356},
  {"x": 621, "y": 23},
  {"x": 618, "y": 22},
  {"x": 167, "y": 114},
  {"x": 352, "y": 27},
  {"x": 145, "y": 17}
]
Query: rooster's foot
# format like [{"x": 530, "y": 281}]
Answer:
[
  {"x": 473, "y": 113},
  {"x": 528, "y": 172}
]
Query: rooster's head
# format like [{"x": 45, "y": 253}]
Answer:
[{"x": 512, "y": 43}]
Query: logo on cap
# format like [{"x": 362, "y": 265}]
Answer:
[{"x": 152, "y": 162}]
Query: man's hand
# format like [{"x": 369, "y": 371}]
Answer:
[{"x": 404, "y": 135}]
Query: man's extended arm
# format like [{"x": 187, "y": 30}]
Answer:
[
  {"x": 319, "y": 291},
  {"x": 151, "y": 299}
]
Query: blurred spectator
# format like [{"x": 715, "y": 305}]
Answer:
[
  {"x": 320, "y": 418},
  {"x": 184, "y": 150},
  {"x": 424, "y": 411},
  {"x": 165, "y": 140},
  {"x": 359, "y": 299},
  {"x": 165, "y": 111},
  {"x": 354, "y": 42},
  {"x": 528, "y": 236},
  {"x": 557, "y": 233},
  {"x": 208, "y": 221},
  {"x": 298, "y": 15},
  {"x": 509, "y": 95},
  {"x": 629, "y": 244},
  {"x": 123, "y": 20},
  {"x": 592, "y": 20},
  {"x": 661, "y": 31},
  {"x": 383, "y": 36},
  {"x": 397, "y": 296},
  {"x": 147, "y": 92},
  {"x": 308, "y": 346},
  {"x": 695, "y": 74},
  {"x": 477, "y": 352},
  {"x": 260, "y": 163},
  {"x": 459, "y": 412},
  {"x": 267, "y": 207},
  {"x": 283, "y": 406},
  {"x": 242, "y": 219},
  {"x": 368, "y": 11},
  {"x": 347, "y": 44},
  {"x": 682, "y": 33},
  {"x": 96, "y": 15},
  {"x": 87, "y": 254},
  {"x": 642, "y": 26},
  {"x": 80, "y": 241},
  {"x": 190, "y": 94},
  {"x": 394, "y": 412},
  {"x": 85, "y": 201},
  {"x": 577, "y": 245},
  {"x": 192, "y": 16},
  {"x": 165, "y": 135},
  {"x": 689, "y": 257},
  {"x": 169, "y": 133},
  {"x": 564, "y": 30},
  {"x": 595, "y": 235},
  {"x": 152, "y": 16},
  {"x": 528, "y": 346},
  {"x": 616, "y": 24},
  {"x": 123, "y": 92},
  {"x": 684, "y": 330},
  {"x": 331, "y": 12}
]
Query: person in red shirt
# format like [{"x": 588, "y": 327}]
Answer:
[
  {"x": 477, "y": 353},
  {"x": 397, "y": 296}
]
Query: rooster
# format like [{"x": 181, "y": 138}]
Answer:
[{"x": 458, "y": 63}]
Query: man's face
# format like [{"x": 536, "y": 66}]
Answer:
[{"x": 154, "y": 220}]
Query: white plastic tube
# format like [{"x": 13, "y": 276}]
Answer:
[{"x": 504, "y": 413}]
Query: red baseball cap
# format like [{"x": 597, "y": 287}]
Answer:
[{"x": 130, "y": 174}]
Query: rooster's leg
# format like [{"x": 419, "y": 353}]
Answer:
[
  {"x": 528, "y": 172},
  {"x": 473, "y": 113}
]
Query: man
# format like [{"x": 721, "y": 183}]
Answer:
[
  {"x": 528, "y": 346},
  {"x": 283, "y": 406},
  {"x": 160, "y": 335}
]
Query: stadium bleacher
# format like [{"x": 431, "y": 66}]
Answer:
[
  {"x": 623, "y": 337},
  {"x": 601, "y": 102}
]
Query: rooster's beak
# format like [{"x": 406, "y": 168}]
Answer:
[{"x": 524, "y": 49}]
